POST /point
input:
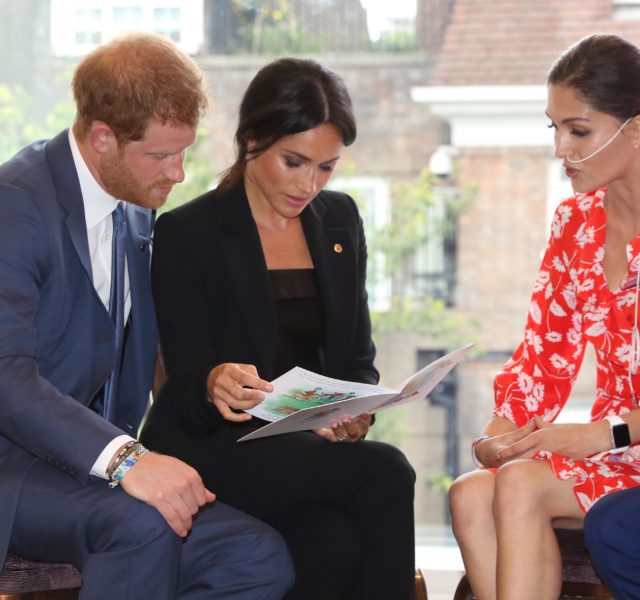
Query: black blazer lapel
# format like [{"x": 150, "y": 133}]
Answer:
[
  {"x": 334, "y": 257},
  {"x": 249, "y": 278}
]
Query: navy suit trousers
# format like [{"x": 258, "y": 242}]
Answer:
[
  {"x": 612, "y": 535},
  {"x": 125, "y": 549}
]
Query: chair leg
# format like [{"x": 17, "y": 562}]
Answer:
[
  {"x": 585, "y": 591},
  {"x": 421, "y": 586},
  {"x": 464, "y": 591},
  {"x": 570, "y": 590},
  {"x": 71, "y": 594}
]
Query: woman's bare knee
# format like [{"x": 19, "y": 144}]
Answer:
[
  {"x": 517, "y": 485},
  {"x": 529, "y": 486},
  {"x": 470, "y": 499}
]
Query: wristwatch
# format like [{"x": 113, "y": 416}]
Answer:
[{"x": 620, "y": 436}]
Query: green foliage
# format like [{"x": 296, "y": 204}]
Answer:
[
  {"x": 198, "y": 176},
  {"x": 389, "y": 427},
  {"x": 277, "y": 41},
  {"x": 410, "y": 226},
  {"x": 420, "y": 212},
  {"x": 438, "y": 482},
  {"x": 24, "y": 120},
  {"x": 15, "y": 121},
  {"x": 397, "y": 41},
  {"x": 270, "y": 28},
  {"x": 60, "y": 116},
  {"x": 428, "y": 316}
]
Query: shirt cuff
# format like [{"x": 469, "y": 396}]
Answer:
[{"x": 99, "y": 468}]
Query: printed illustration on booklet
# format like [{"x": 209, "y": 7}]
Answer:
[{"x": 303, "y": 399}]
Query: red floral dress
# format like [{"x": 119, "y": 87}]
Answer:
[{"x": 572, "y": 304}]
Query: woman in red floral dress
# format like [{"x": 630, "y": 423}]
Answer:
[{"x": 539, "y": 473}]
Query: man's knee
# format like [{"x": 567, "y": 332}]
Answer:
[
  {"x": 139, "y": 527},
  {"x": 270, "y": 557},
  {"x": 595, "y": 525},
  {"x": 600, "y": 527}
]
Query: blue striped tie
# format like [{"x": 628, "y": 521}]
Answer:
[{"x": 116, "y": 310}]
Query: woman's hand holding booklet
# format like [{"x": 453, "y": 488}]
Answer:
[{"x": 303, "y": 400}]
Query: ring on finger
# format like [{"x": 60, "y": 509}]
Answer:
[{"x": 341, "y": 435}]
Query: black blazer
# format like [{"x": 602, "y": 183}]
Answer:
[{"x": 214, "y": 301}]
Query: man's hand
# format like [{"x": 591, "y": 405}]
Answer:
[
  {"x": 172, "y": 487},
  {"x": 236, "y": 387}
]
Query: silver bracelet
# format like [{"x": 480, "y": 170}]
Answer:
[{"x": 474, "y": 443}]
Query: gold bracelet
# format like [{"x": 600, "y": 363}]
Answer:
[{"x": 474, "y": 443}]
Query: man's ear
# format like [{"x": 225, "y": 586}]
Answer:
[{"x": 101, "y": 138}]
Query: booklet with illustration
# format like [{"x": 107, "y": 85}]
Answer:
[{"x": 302, "y": 399}]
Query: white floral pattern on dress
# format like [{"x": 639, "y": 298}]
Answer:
[{"x": 572, "y": 304}]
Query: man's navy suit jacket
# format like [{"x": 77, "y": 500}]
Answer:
[{"x": 56, "y": 337}]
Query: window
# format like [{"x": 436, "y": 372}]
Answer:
[
  {"x": 127, "y": 18},
  {"x": 98, "y": 21},
  {"x": 166, "y": 21},
  {"x": 628, "y": 10},
  {"x": 372, "y": 195},
  {"x": 434, "y": 270},
  {"x": 89, "y": 26}
]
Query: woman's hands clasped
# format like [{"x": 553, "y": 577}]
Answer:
[
  {"x": 235, "y": 387},
  {"x": 489, "y": 451},
  {"x": 574, "y": 440}
]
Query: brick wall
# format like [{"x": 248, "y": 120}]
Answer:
[
  {"x": 395, "y": 135},
  {"x": 501, "y": 238}
]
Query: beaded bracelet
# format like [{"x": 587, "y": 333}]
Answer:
[
  {"x": 137, "y": 450},
  {"x": 122, "y": 454}
]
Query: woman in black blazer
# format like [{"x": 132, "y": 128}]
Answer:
[{"x": 264, "y": 273}]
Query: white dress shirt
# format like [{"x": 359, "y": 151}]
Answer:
[{"x": 98, "y": 206}]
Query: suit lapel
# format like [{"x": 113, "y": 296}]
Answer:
[
  {"x": 65, "y": 177},
  {"x": 248, "y": 274},
  {"x": 139, "y": 226},
  {"x": 334, "y": 257}
]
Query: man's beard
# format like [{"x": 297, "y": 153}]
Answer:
[{"x": 120, "y": 182}]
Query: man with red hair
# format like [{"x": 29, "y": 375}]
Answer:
[{"x": 78, "y": 343}]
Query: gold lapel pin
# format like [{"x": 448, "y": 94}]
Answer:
[{"x": 337, "y": 248}]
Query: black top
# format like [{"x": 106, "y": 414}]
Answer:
[{"x": 299, "y": 320}]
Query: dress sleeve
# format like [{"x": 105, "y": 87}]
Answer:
[{"x": 537, "y": 379}]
